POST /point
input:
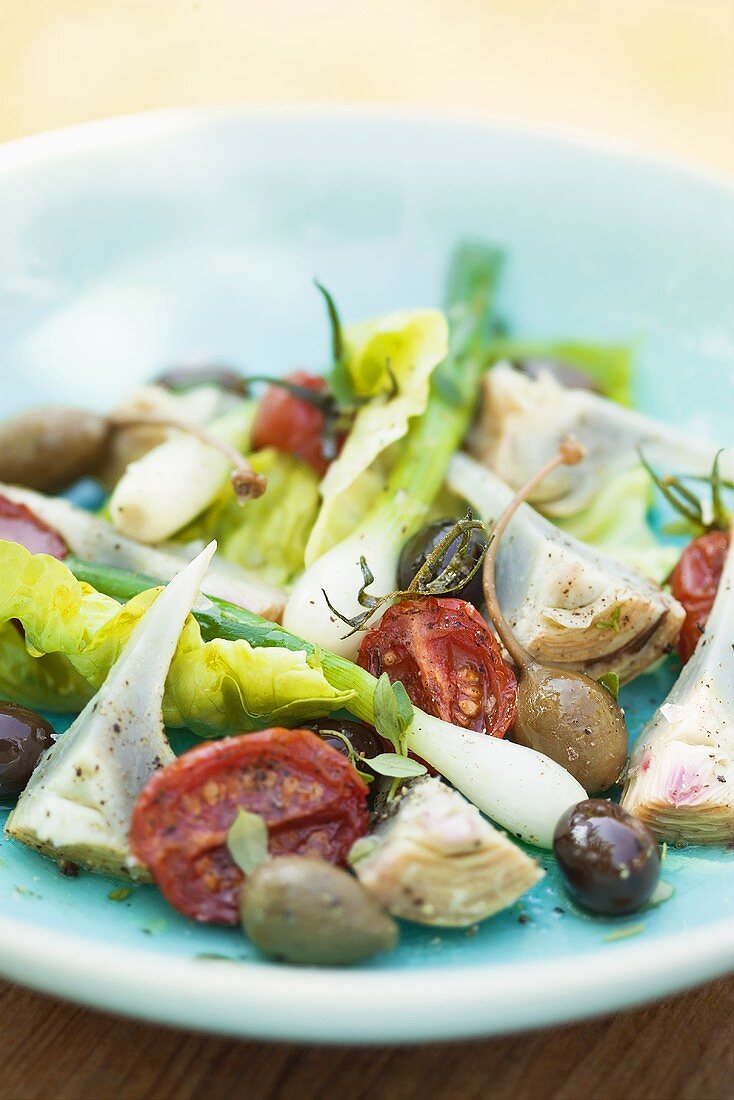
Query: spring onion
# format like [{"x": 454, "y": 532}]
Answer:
[
  {"x": 170, "y": 485},
  {"x": 520, "y": 789}
]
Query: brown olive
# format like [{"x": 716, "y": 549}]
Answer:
[
  {"x": 609, "y": 859},
  {"x": 573, "y": 378},
  {"x": 24, "y": 737},
  {"x": 181, "y": 379},
  {"x": 50, "y": 448},
  {"x": 564, "y": 714},
  {"x": 573, "y": 720},
  {"x": 305, "y": 910}
]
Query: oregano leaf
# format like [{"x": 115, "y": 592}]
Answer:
[
  {"x": 399, "y": 767},
  {"x": 610, "y": 680},
  {"x": 247, "y": 840},
  {"x": 385, "y": 705}
]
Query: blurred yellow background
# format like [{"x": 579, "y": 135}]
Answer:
[{"x": 657, "y": 72}]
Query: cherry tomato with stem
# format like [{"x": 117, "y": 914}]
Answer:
[{"x": 295, "y": 424}]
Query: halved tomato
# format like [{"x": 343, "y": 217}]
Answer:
[{"x": 448, "y": 660}]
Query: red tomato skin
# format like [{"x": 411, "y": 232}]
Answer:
[
  {"x": 290, "y": 424},
  {"x": 448, "y": 660},
  {"x": 20, "y": 524},
  {"x": 694, "y": 582},
  {"x": 311, "y": 798}
]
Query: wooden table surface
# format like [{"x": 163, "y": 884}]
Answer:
[{"x": 680, "y": 1049}]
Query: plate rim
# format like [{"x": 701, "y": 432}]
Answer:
[
  {"x": 265, "y": 1001},
  {"x": 276, "y": 1002},
  {"x": 94, "y": 134}
]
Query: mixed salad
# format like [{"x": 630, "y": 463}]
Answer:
[{"x": 394, "y": 603}]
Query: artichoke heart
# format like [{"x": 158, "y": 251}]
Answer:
[
  {"x": 680, "y": 779},
  {"x": 435, "y": 860},
  {"x": 569, "y": 604},
  {"x": 79, "y": 800},
  {"x": 524, "y": 419}
]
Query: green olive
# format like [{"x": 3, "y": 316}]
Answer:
[
  {"x": 50, "y": 448},
  {"x": 305, "y": 910},
  {"x": 573, "y": 720}
]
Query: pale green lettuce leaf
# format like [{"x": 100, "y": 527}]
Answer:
[
  {"x": 212, "y": 686},
  {"x": 616, "y": 522},
  {"x": 268, "y": 537},
  {"x": 401, "y": 349},
  {"x": 42, "y": 683}
]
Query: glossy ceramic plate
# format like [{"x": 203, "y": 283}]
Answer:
[{"x": 129, "y": 245}]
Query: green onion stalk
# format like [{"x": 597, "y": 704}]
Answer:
[
  {"x": 519, "y": 788},
  {"x": 334, "y": 579}
]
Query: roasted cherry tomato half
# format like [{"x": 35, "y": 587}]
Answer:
[
  {"x": 448, "y": 660},
  {"x": 292, "y": 424},
  {"x": 19, "y": 524},
  {"x": 694, "y": 582},
  {"x": 310, "y": 797}
]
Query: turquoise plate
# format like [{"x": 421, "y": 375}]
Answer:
[{"x": 140, "y": 242}]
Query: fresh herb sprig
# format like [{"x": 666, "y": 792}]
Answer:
[
  {"x": 393, "y": 712},
  {"x": 434, "y": 578},
  {"x": 698, "y": 515}
]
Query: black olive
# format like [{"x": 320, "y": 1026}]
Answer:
[
  {"x": 24, "y": 737},
  {"x": 181, "y": 379},
  {"x": 573, "y": 378},
  {"x": 365, "y": 742},
  {"x": 609, "y": 860},
  {"x": 420, "y": 546}
]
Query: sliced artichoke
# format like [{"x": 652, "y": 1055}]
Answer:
[
  {"x": 569, "y": 604},
  {"x": 92, "y": 538},
  {"x": 680, "y": 779},
  {"x": 79, "y": 800},
  {"x": 524, "y": 419},
  {"x": 435, "y": 860}
]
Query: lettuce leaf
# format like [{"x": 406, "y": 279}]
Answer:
[
  {"x": 268, "y": 537},
  {"x": 212, "y": 686},
  {"x": 42, "y": 683},
  {"x": 610, "y": 365},
  {"x": 400, "y": 351},
  {"x": 616, "y": 522}
]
